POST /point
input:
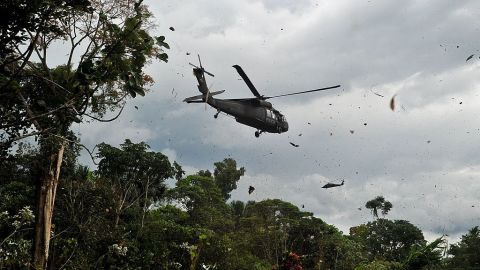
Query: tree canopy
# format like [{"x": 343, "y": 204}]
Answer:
[
  {"x": 124, "y": 215},
  {"x": 379, "y": 203}
]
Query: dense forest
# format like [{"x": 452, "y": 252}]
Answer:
[
  {"x": 123, "y": 215},
  {"x": 136, "y": 209}
]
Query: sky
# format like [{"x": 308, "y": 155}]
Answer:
[{"x": 422, "y": 156}]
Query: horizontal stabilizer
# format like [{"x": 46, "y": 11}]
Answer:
[
  {"x": 199, "y": 97},
  {"x": 189, "y": 99}
]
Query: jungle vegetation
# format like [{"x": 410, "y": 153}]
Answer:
[{"x": 137, "y": 209}]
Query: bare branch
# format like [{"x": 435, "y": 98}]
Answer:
[
  {"x": 69, "y": 258},
  {"x": 21, "y": 137},
  {"x": 39, "y": 55},
  {"x": 109, "y": 120},
  {"x": 25, "y": 61},
  {"x": 90, "y": 152},
  {"x": 29, "y": 111},
  {"x": 53, "y": 82}
]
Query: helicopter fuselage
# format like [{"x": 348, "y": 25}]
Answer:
[{"x": 255, "y": 113}]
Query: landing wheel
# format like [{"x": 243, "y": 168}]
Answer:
[
  {"x": 257, "y": 134},
  {"x": 216, "y": 115}
]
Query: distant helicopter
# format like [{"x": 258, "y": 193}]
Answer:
[
  {"x": 330, "y": 185},
  {"x": 254, "y": 112}
]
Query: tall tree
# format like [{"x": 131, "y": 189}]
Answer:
[
  {"x": 136, "y": 176},
  {"x": 227, "y": 175},
  {"x": 388, "y": 240},
  {"x": 108, "y": 46},
  {"x": 379, "y": 203}
]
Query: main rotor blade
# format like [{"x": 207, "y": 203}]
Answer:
[
  {"x": 241, "y": 99},
  {"x": 195, "y": 101},
  {"x": 247, "y": 81},
  {"x": 303, "y": 92}
]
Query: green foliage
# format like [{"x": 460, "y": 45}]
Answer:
[
  {"x": 388, "y": 240},
  {"x": 202, "y": 200},
  {"x": 379, "y": 265},
  {"x": 425, "y": 256},
  {"x": 135, "y": 175},
  {"x": 109, "y": 47},
  {"x": 226, "y": 176},
  {"x": 15, "y": 238},
  {"x": 379, "y": 203},
  {"x": 466, "y": 252},
  {"x": 124, "y": 216}
]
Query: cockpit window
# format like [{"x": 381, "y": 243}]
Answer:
[{"x": 270, "y": 114}]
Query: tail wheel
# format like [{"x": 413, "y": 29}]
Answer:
[{"x": 257, "y": 134}]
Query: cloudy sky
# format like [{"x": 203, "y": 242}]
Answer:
[{"x": 423, "y": 156}]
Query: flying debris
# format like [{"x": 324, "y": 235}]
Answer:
[
  {"x": 392, "y": 103},
  {"x": 136, "y": 107},
  {"x": 376, "y": 93},
  {"x": 352, "y": 131},
  {"x": 300, "y": 135},
  {"x": 331, "y": 185},
  {"x": 171, "y": 28},
  {"x": 309, "y": 123},
  {"x": 294, "y": 145},
  {"x": 187, "y": 53},
  {"x": 470, "y": 57},
  {"x": 250, "y": 189}
]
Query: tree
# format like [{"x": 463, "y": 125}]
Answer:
[
  {"x": 425, "y": 256},
  {"x": 379, "y": 203},
  {"x": 466, "y": 252},
  {"x": 84, "y": 220},
  {"x": 203, "y": 201},
  {"x": 226, "y": 176},
  {"x": 209, "y": 217},
  {"x": 136, "y": 176},
  {"x": 108, "y": 48},
  {"x": 388, "y": 240}
]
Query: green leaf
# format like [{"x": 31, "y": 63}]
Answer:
[
  {"x": 102, "y": 17},
  {"x": 140, "y": 91},
  {"x": 163, "y": 57},
  {"x": 161, "y": 42},
  {"x": 132, "y": 93}
]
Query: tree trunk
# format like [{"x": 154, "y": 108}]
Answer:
[{"x": 46, "y": 190}]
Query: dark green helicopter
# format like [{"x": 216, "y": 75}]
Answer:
[{"x": 254, "y": 112}]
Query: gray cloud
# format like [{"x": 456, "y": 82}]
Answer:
[{"x": 422, "y": 156}]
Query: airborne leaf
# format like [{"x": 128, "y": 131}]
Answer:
[{"x": 392, "y": 103}]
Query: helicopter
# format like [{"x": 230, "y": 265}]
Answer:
[
  {"x": 330, "y": 185},
  {"x": 255, "y": 112}
]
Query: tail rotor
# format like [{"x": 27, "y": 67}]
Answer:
[{"x": 201, "y": 67}]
